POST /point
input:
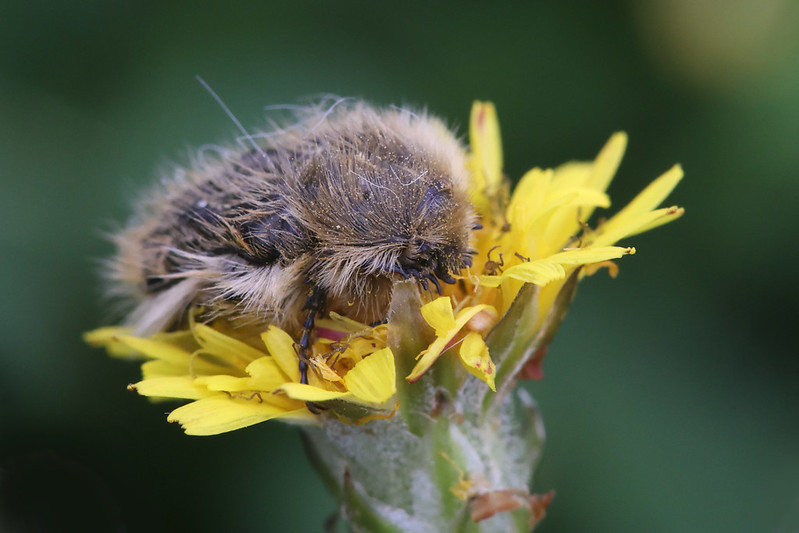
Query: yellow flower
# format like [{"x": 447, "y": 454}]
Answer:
[
  {"x": 537, "y": 237},
  {"x": 238, "y": 378},
  {"x": 545, "y": 236}
]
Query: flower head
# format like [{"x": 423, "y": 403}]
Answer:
[
  {"x": 498, "y": 317},
  {"x": 540, "y": 238},
  {"x": 457, "y": 440},
  {"x": 239, "y": 377}
]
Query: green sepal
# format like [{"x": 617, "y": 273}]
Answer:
[
  {"x": 408, "y": 336},
  {"x": 513, "y": 341}
]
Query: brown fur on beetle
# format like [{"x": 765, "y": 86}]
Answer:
[{"x": 345, "y": 201}]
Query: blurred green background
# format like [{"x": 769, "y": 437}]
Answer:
[{"x": 670, "y": 395}]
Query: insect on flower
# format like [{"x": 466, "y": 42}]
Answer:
[{"x": 320, "y": 215}]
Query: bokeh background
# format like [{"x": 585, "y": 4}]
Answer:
[{"x": 670, "y": 395}]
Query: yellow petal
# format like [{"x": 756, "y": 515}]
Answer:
[
  {"x": 358, "y": 348},
  {"x": 172, "y": 387},
  {"x": 573, "y": 174},
  {"x": 539, "y": 272},
  {"x": 265, "y": 374},
  {"x": 108, "y": 338},
  {"x": 161, "y": 369},
  {"x": 635, "y": 215},
  {"x": 281, "y": 347},
  {"x": 607, "y": 162},
  {"x": 427, "y": 357},
  {"x": 486, "y": 147},
  {"x": 561, "y": 220},
  {"x": 374, "y": 379},
  {"x": 323, "y": 370},
  {"x": 569, "y": 198},
  {"x": 439, "y": 314},
  {"x": 309, "y": 393},
  {"x": 225, "y": 347},
  {"x": 528, "y": 196},
  {"x": 156, "y": 350},
  {"x": 592, "y": 254},
  {"x": 573, "y": 192},
  {"x": 544, "y": 271},
  {"x": 219, "y": 414},
  {"x": 660, "y": 217},
  {"x": 486, "y": 142},
  {"x": 235, "y": 384},
  {"x": 266, "y": 368},
  {"x": 100, "y": 336},
  {"x": 474, "y": 355},
  {"x": 192, "y": 364},
  {"x": 226, "y": 383}
]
